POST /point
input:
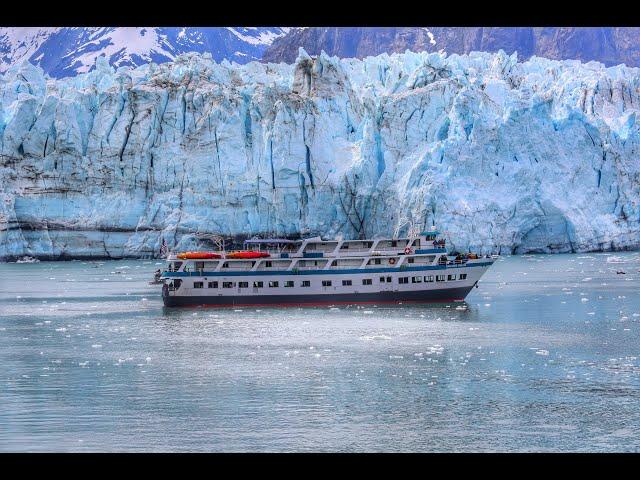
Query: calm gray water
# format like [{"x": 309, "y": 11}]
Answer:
[{"x": 542, "y": 357}]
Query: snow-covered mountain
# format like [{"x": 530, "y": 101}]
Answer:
[
  {"x": 63, "y": 52},
  {"x": 503, "y": 156}
]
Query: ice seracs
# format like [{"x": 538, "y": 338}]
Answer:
[{"x": 511, "y": 156}]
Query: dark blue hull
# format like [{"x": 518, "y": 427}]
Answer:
[{"x": 424, "y": 296}]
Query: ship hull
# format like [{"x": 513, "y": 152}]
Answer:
[{"x": 421, "y": 296}]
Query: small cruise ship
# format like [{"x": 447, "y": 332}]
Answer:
[{"x": 313, "y": 271}]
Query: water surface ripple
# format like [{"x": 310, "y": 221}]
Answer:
[{"x": 542, "y": 357}]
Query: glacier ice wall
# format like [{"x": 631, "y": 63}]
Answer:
[{"x": 502, "y": 156}]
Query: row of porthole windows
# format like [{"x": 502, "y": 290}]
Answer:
[
  {"x": 272, "y": 284},
  {"x": 199, "y": 266},
  {"x": 328, "y": 283},
  {"x": 431, "y": 278},
  {"x": 268, "y": 263},
  {"x": 378, "y": 261}
]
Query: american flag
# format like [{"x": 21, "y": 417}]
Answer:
[{"x": 164, "y": 249}]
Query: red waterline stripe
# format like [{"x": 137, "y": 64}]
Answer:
[{"x": 316, "y": 304}]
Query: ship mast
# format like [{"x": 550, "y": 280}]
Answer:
[{"x": 414, "y": 228}]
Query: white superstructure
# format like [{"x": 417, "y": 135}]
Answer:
[{"x": 316, "y": 271}]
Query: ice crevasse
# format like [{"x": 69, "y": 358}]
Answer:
[{"x": 503, "y": 156}]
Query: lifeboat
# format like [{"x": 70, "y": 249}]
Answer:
[
  {"x": 198, "y": 255},
  {"x": 247, "y": 254}
]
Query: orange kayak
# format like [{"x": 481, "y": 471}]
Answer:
[
  {"x": 198, "y": 255},
  {"x": 247, "y": 254}
]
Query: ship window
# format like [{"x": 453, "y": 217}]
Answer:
[
  {"x": 462, "y": 276},
  {"x": 416, "y": 280},
  {"x": 410, "y": 260},
  {"x": 388, "y": 279},
  {"x": 288, "y": 283},
  {"x": 428, "y": 278},
  {"x": 403, "y": 280},
  {"x": 267, "y": 264},
  {"x": 377, "y": 261},
  {"x": 243, "y": 284},
  {"x": 366, "y": 281},
  {"x": 199, "y": 265},
  {"x": 213, "y": 285},
  {"x": 381, "y": 279},
  {"x": 346, "y": 283},
  {"x": 258, "y": 284},
  {"x": 273, "y": 284},
  {"x": 326, "y": 283},
  {"x": 440, "y": 278},
  {"x": 225, "y": 265},
  {"x": 227, "y": 284},
  {"x": 305, "y": 283},
  {"x": 197, "y": 284},
  {"x": 451, "y": 277},
  {"x": 394, "y": 243},
  {"x": 344, "y": 247}
]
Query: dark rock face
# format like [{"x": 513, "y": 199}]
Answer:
[{"x": 609, "y": 45}]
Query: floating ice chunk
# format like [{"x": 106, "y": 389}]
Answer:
[{"x": 375, "y": 337}]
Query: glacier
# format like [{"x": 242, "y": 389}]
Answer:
[{"x": 502, "y": 156}]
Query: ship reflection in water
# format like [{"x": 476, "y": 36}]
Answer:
[{"x": 542, "y": 357}]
